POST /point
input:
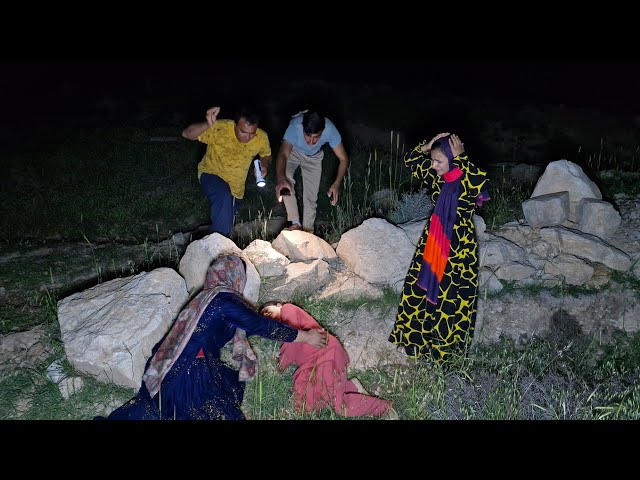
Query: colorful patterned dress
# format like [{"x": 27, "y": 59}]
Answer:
[{"x": 442, "y": 331}]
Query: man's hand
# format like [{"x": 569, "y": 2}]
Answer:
[
  {"x": 281, "y": 171},
  {"x": 334, "y": 194},
  {"x": 212, "y": 115},
  {"x": 283, "y": 185},
  {"x": 265, "y": 162}
]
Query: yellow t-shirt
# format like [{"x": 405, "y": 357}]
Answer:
[{"x": 229, "y": 159}]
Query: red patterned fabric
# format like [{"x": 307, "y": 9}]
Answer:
[{"x": 321, "y": 377}]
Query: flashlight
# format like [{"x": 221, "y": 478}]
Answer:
[{"x": 258, "y": 168}]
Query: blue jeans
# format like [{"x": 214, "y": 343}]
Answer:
[{"x": 223, "y": 205}]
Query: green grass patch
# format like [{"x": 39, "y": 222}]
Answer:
[{"x": 102, "y": 184}]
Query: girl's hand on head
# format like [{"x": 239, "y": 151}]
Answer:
[
  {"x": 427, "y": 146},
  {"x": 457, "y": 147}
]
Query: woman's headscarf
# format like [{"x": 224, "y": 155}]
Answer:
[
  {"x": 444, "y": 146},
  {"x": 226, "y": 273},
  {"x": 437, "y": 249}
]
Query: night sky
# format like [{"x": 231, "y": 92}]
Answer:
[{"x": 37, "y": 92}]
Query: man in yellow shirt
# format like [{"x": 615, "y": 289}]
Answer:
[{"x": 232, "y": 146}]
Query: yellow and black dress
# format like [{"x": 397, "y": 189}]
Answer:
[{"x": 439, "y": 324}]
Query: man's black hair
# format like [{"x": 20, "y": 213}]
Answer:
[
  {"x": 250, "y": 115},
  {"x": 313, "y": 122}
]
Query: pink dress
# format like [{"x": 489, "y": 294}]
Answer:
[{"x": 321, "y": 377}]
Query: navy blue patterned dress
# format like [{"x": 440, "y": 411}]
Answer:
[{"x": 200, "y": 386}]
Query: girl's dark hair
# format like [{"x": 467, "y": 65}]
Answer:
[{"x": 270, "y": 303}]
